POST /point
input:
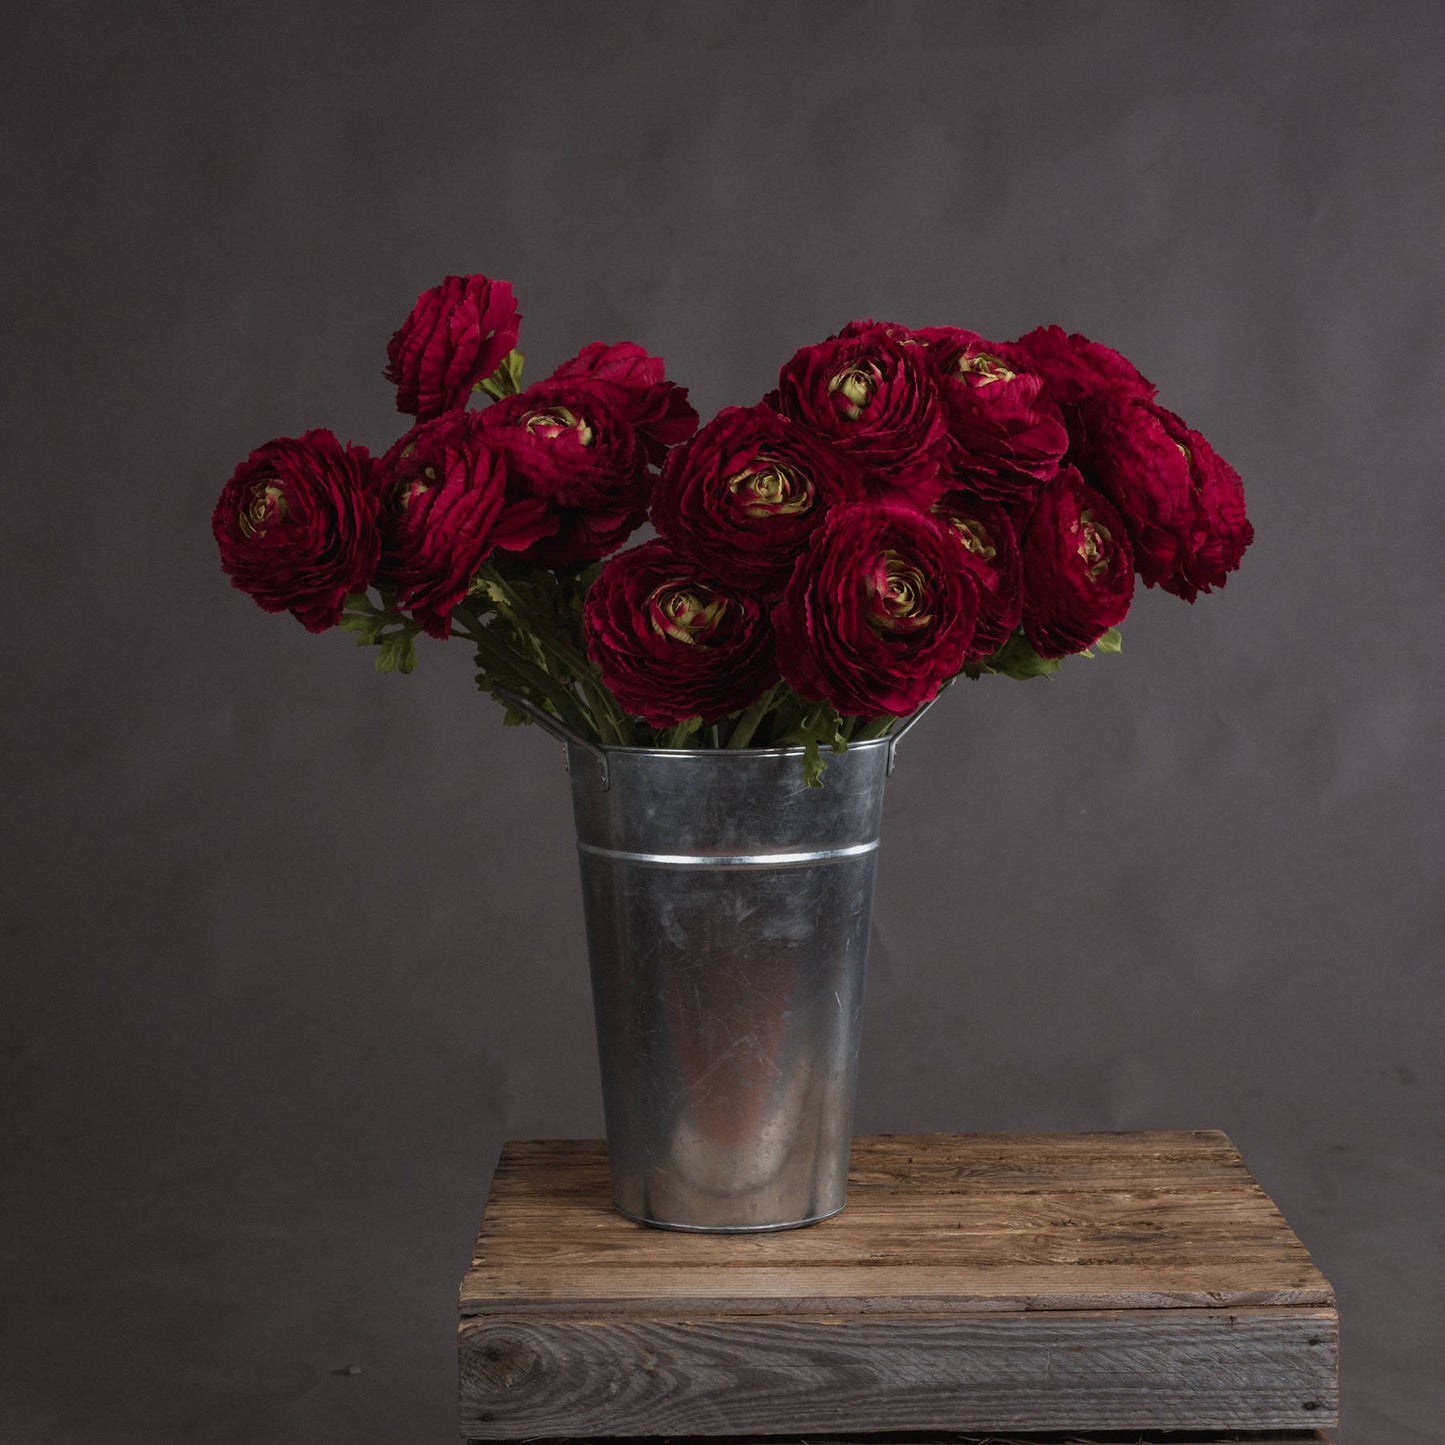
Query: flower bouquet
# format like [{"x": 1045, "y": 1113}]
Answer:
[{"x": 907, "y": 506}]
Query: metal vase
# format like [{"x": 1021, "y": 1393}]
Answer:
[{"x": 728, "y": 910}]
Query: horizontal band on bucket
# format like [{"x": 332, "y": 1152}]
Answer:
[{"x": 729, "y": 860}]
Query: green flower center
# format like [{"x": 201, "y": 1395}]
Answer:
[
  {"x": 409, "y": 489},
  {"x": 896, "y": 595},
  {"x": 771, "y": 490},
  {"x": 855, "y": 387},
  {"x": 687, "y": 612},
  {"x": 556, "y": 421},
  {"x": 985, "y": 368},
  {"x": 265, "y": 504},
  {"x": 1094, "y": 539},
  {"x": 975, "y": 537}
]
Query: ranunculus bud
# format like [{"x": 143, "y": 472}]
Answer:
[
  {"x": 446, "y": 508},
  {"x": 1078, "y": 567},
  {"x": 567, "y": 445},
  {"x": 673, "y": 644},
  {"x": 296, "y": 526},
  {"x": 744, "y": 495},
  {"x": 457, "y": 335},
  {"x": 878, "y": 613}
]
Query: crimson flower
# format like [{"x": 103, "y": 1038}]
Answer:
[
  {"x": 673, "y": 644},
  {"x": 296, "y": 526},
  {"x": 878, "y": 613},
  {"x": 1078, "y": 567},
  {"x": 458, "y": 334}
]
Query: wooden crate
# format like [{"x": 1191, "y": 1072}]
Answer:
[{"x": 1074, "y": 1283}]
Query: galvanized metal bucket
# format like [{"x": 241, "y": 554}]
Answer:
[{"x": 727, "y": 909}]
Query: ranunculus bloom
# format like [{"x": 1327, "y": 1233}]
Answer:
[
  {"x": 458, "y": 334},
  {"x": 1182, "y": 503},
  {"x": 567, "y": 445},
  {"x": 445, "y": 509},
  {"x": 296, "y": 526},
  {"x": 1078, "y": 567},
  {"x": 879, "y": 612},
  {"x": 672, "y": 644},
  {"x": 1008, "y": 430},
  {"x": 744, "y": 495},
  {"x": 1224, "y": 531},
  {"x": 875, "y": 398},
  {"x": 991, "y": 553},
  {"x": 1075, "y": 368},
  {"x": 637, "y": 387}
]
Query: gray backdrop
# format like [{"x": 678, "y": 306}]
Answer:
[{"x": 292, "y": 947}]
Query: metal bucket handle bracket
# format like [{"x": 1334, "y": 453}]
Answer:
[
  {"x": 549, "y": 723},
  {"x": 895, "y": 738}
]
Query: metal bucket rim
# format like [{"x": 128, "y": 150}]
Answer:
[{"x": 721, "y": 753}]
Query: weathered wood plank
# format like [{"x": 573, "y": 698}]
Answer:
[
  {"x": 934, "y": 1223},
  {"x": 732, "y": 1375},
  {"x": 908, "y": 1290},
  {"x": 1034, "y": 1437}
]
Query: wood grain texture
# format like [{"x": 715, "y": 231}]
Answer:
[
  {"x": 975, "y": 1283},
  {"x": 934, "y": 1223},
  {"x": 1095, "y": 1370},
  {"x": 1034, "y": 1437}
]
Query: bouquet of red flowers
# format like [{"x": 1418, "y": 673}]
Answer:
[{"x": 907, "y": 506}]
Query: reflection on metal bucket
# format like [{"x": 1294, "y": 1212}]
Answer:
[{"x": 727, "y": 923}]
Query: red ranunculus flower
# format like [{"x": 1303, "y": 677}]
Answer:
[
  {"x": 1078, "y": 567},
  {"x": 672, "y": 644},
  {"x": 879, "y": 611},
  {"x": 1182, "y": 503},
  {"x": 637, "y": 387},
  {"x": 567, "y": 445},
  {"x": 296, "y": 526},
  {"x": 458, "y": 334},
  {"x": 875, "y": 398},
  {"x": 1010, "y": 433},
  {"x": 445, "y": 508},
  {"x": 1224, "y": 530},
  {"x": 991, "y": 553},
  {"x": 1075, "y": 368},
  {"x": 744, "y": 495},
  {"x": 1127, "y": 454}
]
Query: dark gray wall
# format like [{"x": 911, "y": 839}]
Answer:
[{"x": 292, "y": 947}]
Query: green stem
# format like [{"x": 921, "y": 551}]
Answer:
[
  {"x": 747, "y": 723},
  {"x": 612, "y": 724},
  {"x": 567, "y": 705},
  {"x": 875, "y": 728}
]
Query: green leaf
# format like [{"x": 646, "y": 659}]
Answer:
[
  {"x": 1017, "y": 659},
  {"x": 406, "y": 653},
  {"x": 1110, "y": 641},
  {"x": 365, "y": 628},
  {"x": 813, "y": 765},
  {"x": 506, "y": 380}
]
